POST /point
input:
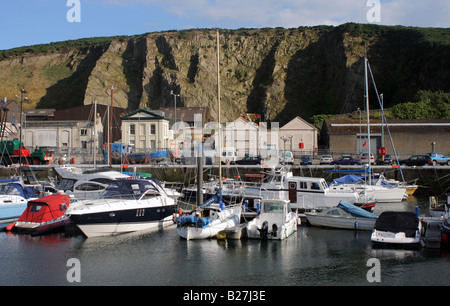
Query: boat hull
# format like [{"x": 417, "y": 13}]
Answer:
[
  {"x": 111, "y": 229},
  {"x": 285, "y": 226},
  {"x": 36, "y": 229},
  {"x": 210, "y": 231},
  {"x": 115, "y": 222},
  {"x": 227, "y": 218},
  {"x": 340, "y": 222},
  {"x": 11, "y": 212},
  {"x": 383, "y": 239}
]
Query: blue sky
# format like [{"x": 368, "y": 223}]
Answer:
[{"x": 29, "y": 22}]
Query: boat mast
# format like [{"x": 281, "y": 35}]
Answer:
[
  {"x": 367, "y": 113},
  {"x": 218, "y": 103},
  {"x": 95, "y": 134},
  {"x": 110, "y": 126}
]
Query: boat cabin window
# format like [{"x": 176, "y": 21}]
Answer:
[
  {"x": 302, "y": 185},
  {"x": 35, "y": 208},
  {"x": 89, "y": 187},
  {"x": 324, "y": 185},
  {"x": 315, "y": 186},
  {"x": 273, "y": 207},
  {"x": 9, "y": 189},
  {"x": 66, "y": 184},
  {"x": 276, "y": 178},
  {"x": 334, "y": 212}
]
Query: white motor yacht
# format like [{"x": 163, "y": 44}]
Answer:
[{"x": 125, "y": 206}]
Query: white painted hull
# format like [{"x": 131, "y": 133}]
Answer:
[
  {"x": 228, "y": 218},
  {"x": 110, "y": 229},
  {"x": 284, "y": 230},
  {"x": 386, "y": 195},
  {"x": 340, "y": 222},
  {"x": 389, "y": 238},
  {"x": 191, "y": 233}
]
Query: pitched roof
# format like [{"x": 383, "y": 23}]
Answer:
[
  {"x": 298, "y": 123},
  {"x": 143, "y": 114}
]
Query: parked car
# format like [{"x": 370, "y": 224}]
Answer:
[
  {"x": 364, "y": 156},
  {"x": 250, "y": 160},
  {"x": 305, "y": 160},
  {"x": 417, "y": 160},
  {"x": 286, "y": 157},
  {"x": 346, "y": 160},
  {"x": 438, "y": 158},
  {"x": 326, "y": 159},
  {"x": 386, "y": 161}
]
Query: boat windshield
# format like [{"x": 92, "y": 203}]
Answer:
[
  {"x": 273, "y": 207},
  {"x": 10, "y": 189},
  {"x": 129, "y": 189}
]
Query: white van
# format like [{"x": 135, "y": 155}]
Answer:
[
  {"x": 286, "y": 157},
  {"x": 229, "y": 155}
]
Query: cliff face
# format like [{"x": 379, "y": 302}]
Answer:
[{"x": 278, "y": 73}]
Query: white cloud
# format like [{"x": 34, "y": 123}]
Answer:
[{"x": 294, "y": 13}]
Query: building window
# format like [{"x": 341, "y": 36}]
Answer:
[
  {"x": 132, "y": 129},
  {"x": 83, "y": 132},
  {"x": 84, "y": 144},
  {"x": 152, "y": 129},
  {"x": 152, "y": 144}
]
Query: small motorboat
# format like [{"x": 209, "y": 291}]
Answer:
[
  {"x": 125, "y": 206},
  {"x": 13, "y": 201},
  {"x": 394, "y": 228},
  {"x": 344, "y": 216},
  {"x": 274, "y": 221},
  {"x": 43, "y": 215},
  {"x": 208, "y": 219}
]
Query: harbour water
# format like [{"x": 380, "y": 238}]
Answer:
[{"x": 312, "y": 256}]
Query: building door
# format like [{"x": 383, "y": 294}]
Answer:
[{"x": 293, "y": 192}]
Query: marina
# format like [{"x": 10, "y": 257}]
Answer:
[
  {"x": 310, "y": 256},
  {"x": 286, "y": 228}
]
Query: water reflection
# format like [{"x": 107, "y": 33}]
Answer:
[{"x": 312, "y": 256}]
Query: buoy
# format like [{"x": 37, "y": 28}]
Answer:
[
  {"x": 10, "y": 227},
  {"x": 221, "y": 235}
]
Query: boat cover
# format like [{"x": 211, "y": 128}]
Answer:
[
  {"x": 398, "y": 221},
  {"x": 356, "y": 179},
  {"x": 17, "y": 189},
  {"x": 45, "y": 209},
  {"x": 356, "y": 211}
]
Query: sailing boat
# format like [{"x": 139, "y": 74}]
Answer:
[
  {"x": 375, "y": 190},
  {"x": 208, "y": 219}
]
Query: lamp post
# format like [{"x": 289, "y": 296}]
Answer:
[
  {"x": 175, "y": 106},
  {"x": 22, "y": 91}
]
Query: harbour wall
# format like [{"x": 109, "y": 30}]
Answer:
[{"x": 432, "y": 180}]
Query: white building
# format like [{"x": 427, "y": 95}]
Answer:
[
  {"x": 146, "y": 130},
  {"x": 63, "y": 136},
  {"x": 298, "y": 135}
]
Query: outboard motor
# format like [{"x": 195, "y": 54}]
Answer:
[
  {"x": 274, "y": 230},
  {"x": 264, "y": 230}
]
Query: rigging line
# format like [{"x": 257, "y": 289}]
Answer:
[
  {"x": 384, "y": 117},
  {"x": 352, "y": 90}
]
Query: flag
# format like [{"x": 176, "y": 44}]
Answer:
[{"x": 365, "y": 144}]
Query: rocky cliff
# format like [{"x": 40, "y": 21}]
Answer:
[{"x": 278, "y": 73}]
